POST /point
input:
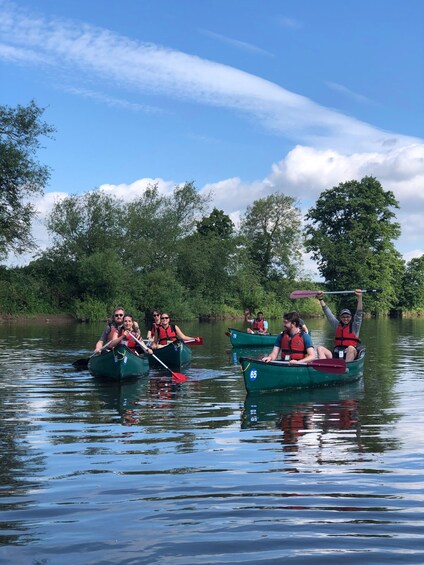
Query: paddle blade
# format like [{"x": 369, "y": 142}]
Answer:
[
  {"x": 303, "y": 294},
  {"x": 333, "y": 366},
  {"x": 227, "y": 334},
  {"x": 81, "y": 364},
  {"x": 179, "y": 377},
  {"x": 197, "y": 341}
]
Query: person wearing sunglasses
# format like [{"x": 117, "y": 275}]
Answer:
[
  {"x": 115, "y": 322},
  {"x": 167, "y": 333},
  {"x": 347, "y": 342},
  {"x": 154, "y": 324},
  {"x": 125, "y": 335}
]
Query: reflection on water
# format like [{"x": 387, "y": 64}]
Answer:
[{"x": 157, "y": 472}]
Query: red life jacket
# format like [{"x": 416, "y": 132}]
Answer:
[
  {"x": 345, "y": 336},
  {"x": 164, "y": 335},
  {"x": 153, "y": 328},
  {"x": 129, "y": 341},
  {"x": 293, "y": 346},
  {"x": 258, "y": 325}
]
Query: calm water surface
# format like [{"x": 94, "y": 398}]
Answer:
[{"x": 153, "y": 472}]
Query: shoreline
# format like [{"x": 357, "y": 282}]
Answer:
[{"x": 38, "y": 318}]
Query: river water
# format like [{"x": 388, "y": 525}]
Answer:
[{"x": 156, "y": 472}]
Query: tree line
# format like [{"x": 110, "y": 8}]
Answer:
[{"x": 174, "y": 252}]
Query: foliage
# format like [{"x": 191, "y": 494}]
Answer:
[
  {"x": 350, "y": 235},
  {"x": 217, "y": 223},
  {"x": 90, "y": 309},
  {"x": 21, "y": 176},
  {"x": 413, "y": 285},
  {"x": 271, "y": 227}
]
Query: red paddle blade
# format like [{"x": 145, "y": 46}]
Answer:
[
  {"x": 303, "y": 293},
  {"x": 179, "y": 378},
  {"x": 227, "y": 334},
  {"x": 197, "y": 341},
  {"x": 333, "y": 366}
]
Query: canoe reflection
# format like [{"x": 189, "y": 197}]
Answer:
[
  {"x": 136, "y": 400},
  {"x": 297, "y": 413}
]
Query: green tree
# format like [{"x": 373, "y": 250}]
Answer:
[
  {"x": 413, "y": 285},
  {"x": 217, "y": 223},
  {"x": 350, "y": 234},
  {"x": 21, "y": 176},
  {"x": 271, "y": 228},
  {"x": 84, "y": 224}
]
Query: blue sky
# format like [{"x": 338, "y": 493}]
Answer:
[{"x": 244, "y": 97}]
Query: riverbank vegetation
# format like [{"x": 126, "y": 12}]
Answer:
[{"x": 180, "y": 253}]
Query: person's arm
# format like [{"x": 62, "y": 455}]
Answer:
[
  {"x": 328, "y": 313},
  {"x": 102, "y": 340},
  {"x": 303, "y": 326},
  {"x": 184, "y": 337},
  {"x": 310, "y": 356},
  {"x": 248, "y": 317},
  {"x": 273, "y": 355},
  {"x": 359, "y": 314},
  {"x": 265, "y": 326}
]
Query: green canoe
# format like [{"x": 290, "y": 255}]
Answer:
[
  {"x": 241, "y": 338},
  {"x": 277, "y": 375},
  {"x": 118, "y": 364},
  {"x": 175, "y": 355}
]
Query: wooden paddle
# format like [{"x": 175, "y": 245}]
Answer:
[
  {"x": 333, "y": 366},
  {"x": 311, "y": 293},
  {"x": 178, "y": 377},
  {"x": 83, "y": 363}
]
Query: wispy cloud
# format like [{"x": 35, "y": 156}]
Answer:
[
  {"x": 290, "y": 23},
  {"x": 111, "y": 101},
  {"x": 115, "y": 60},
  {"x": 242, "y": 45},
  {"x": 347, "y": 92}
]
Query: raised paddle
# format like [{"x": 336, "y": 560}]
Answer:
[
  {"x": 178, "y": 377},
  {"x": 83, "y": 363},
  {"x": 311, "y": 293},
  {"x": 333, "y": 366}
]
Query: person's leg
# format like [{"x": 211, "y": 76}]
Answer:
[
  {"x": 249, "y": 331},
  {"x": 324, "y": 353},
  {"x": 350, "y": 353}
]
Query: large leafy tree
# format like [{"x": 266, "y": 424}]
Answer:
[
  {"x": 21, "y": 176},
  {"x": 350, "y": 233},
  {"x": 271, "y": 227},
  {"x": 413, "y": 285}
]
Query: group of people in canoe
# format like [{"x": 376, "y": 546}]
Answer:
[
  {"x": 295, "y": 345},
  {"x": 123, "y": 329}
]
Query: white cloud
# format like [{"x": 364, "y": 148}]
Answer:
[
  {"x": 303, "y": 173},
  {"x": 242, "y": 45},
  {"x": 144, "y": 67},
  {"x": 111, "y": 101},
  {"x": 347, "y": 92}
]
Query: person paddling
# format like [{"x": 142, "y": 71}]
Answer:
[
  {"x": 347, "y": 342},
  {"x": 126, "y": 334},
  {"x": 294, "y": 344}
]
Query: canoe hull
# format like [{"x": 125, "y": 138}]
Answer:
[
  {"x": 239, "y": 338},
  {"x": 262, "y": 377},
  {"x": 120, "y": 364},
  {"x": 174, "y": 355}
]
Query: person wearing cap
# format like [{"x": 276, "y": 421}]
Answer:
[{"x": 347, "y": 330}]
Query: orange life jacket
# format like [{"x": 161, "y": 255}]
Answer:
[
  {"x": 258, "y": 325},
  {"x": 129, "y": 341},
  {"x": 163, "y": 336},
  {"x": 345, "y": 336},
  {"x": 294, "y": 347}
]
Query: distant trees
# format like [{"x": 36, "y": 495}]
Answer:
[
  {"x": 21, "y": 176},
  {"x": 350, "y": 233},
  {"x": 271, "y": 227},
  {"x": 412, "y": 297}
]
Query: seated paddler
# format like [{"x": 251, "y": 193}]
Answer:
[
  {"x": 258, "y": 324},
  {"x": 293, "y": 344}
]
